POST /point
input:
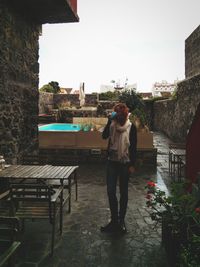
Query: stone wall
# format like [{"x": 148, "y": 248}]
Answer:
[
  {"x": 45, "y": 103},
  {"x": 149, "y": 111},
  {"x": 192, "y": 54},
  {"x": 174, "y": 117},
  {"x": 106, "y": 104},
  {"x": 48, "y": 101},
  {"x": 60, "y": 100},
  {"x": 18, "y": 85}
]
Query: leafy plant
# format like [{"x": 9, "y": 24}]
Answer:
[
  {"x": 86, "y": 127},
  {"x": 179, "y": 212},
  {"x": 139, "y": 113},
  {"x": 189, "y": 256},
  {"x": 55, "y": 86},
  {"x": 52, "y": 87},
  {"x": 132, "y": 100},
  {"x": 135, "y": 104},
  {"x": 111, "y": 96},
  {"x": 174, "y": 94}
]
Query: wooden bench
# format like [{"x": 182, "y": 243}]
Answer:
[
  {"x": 37, "y": 201},
  {"x": 68, "y": 184},
  {"x": 33, "y": 197},
  {"x": 5, "y": 204},
  {"x": 67, "y": 188},
  {"x": 9, "y": 229}
]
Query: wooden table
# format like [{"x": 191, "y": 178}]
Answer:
[
  {"x": 26, "y": 176},
  {"x": 44, "y": 173}
]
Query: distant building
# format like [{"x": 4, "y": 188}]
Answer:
[
  {"x": 76, "y": 92},
  {"x": 131, "y": 86},
  {"x": 163, "y": 88},
  {"x": 146, "y": 95},
  {"x": 65, "y": 90},
  {"x": 111, "y": 88},
  {"x": 106, "y": 88}
]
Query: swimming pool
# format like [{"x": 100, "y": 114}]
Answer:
[
  {"x": 72, "y": 136},
  {"x": 66, "y": 127}
]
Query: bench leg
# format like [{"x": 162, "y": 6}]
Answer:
[
  {"x": 61, "y": 212},
  {"x": 76, "y": 185},
  {"x": 69, "y": 191},
  {"x": 53, "y": 230}
]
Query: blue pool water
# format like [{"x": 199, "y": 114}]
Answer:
[{"x": 69, "y": 127}]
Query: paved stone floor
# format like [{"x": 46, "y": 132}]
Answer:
[{"x": 82, "y": 244}]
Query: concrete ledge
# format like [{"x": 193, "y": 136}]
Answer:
[
  {"x": 85, "y": 140},
  {"x": 145, "y": 157}
]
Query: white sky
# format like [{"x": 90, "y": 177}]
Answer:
[{"x": 143, "y": 40}]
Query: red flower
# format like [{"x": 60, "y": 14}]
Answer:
[
  {"x": 197, "y": 210},
  {"x": 148, "y": 196},
  {"x": 151, "y": 184}
]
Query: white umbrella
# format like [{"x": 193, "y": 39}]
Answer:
[{"x": 82, "y": 94}]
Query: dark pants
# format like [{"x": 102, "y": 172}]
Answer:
[{"x": 117, "y": 170}]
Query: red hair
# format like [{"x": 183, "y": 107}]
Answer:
[{"x": 122, "y": 113}]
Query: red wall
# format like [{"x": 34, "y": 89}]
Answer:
[{"x": 73, "y": 4}]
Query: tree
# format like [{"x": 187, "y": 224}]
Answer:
[
  {"x": 52, "y": 87},
  {"x": 47, "y": 88},
  {"x": 56, "y": 86},
  {"x": 135, "y": 104},
  {"x": 131, "y": 99}
]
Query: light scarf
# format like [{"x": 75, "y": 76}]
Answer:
[{"x": 119, "y": 137}]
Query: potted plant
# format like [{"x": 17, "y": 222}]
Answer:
[
  {"x": 179, "y": 215},
  {"x": 189, "y": 255}
]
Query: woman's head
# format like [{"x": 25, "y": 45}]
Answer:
[{"x": 122, "y": 113}]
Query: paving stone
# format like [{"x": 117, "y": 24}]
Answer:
[{"x": 82, "y": 244}]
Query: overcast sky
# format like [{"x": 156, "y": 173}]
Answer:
[{"x": 142, "y": 40}]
